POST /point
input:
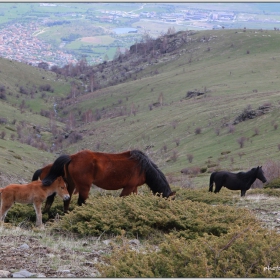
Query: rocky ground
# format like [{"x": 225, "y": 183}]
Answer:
[{"x": 25, "y": 256}]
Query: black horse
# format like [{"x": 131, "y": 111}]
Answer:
[{"x": 236, "y": 181}]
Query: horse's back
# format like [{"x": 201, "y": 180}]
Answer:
[
  {"x": 108, "y": 171},
  {"x": 35, "y": 185}
]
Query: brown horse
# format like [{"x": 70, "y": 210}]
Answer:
[
  {"x": 34, "y": 192},
  {"x": 127, "y": 171}
]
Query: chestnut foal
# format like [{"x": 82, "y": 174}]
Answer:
[{"x": 34, "y": 192}]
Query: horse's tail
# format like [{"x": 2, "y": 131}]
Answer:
[
  {"x": 211, "y": 181},
  {"x": 37, "y": 174},
  {"x": 56, "y": 170},
  {"x": 155, "y": 179}
]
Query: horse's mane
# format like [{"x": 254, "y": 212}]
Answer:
[
  {"x": 248, "y": 173},
  {"x": 56, "y": 170},
  {"x": 155, "y": 179}
]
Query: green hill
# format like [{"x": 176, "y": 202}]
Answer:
[
  {"x": 179, "y": 106},
  {"x": 27, "y": 120},
  {"x": 231, "y": 70}
]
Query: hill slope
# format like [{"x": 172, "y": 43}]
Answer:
[
  {"x": 27, "y": 118},
  {"x": 232, "y": 70},
  {"x": 180, "y": 104}
]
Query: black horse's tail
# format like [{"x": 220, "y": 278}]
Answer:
[
  {"x": 211, "y": 181},
  {"x": 56, "y": 170},
  {"x": 37, "y": 174},
  {"x": 155, "y": 179}
]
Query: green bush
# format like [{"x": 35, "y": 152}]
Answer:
[
  {"x": 203, "y": 169},
  {"x": 243, "y": 252},
  {"x": 143, "y": 215},
  {"x": 24, "y": 215},
  {"x": 273, "y": 184},
  {"x": 203, "y": 195},
  {"x": 267, "y": 191}
]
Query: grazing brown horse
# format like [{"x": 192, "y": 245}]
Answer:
[
  {"x": 236, "y": 181},
  {"x": 126, "y": 171},
  {"x": 35, "y": 192}
]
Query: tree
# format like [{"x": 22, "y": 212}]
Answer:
[
  {"x": 241, "y": 141},
  {"x": 190, "y": 158},
  {"x": 74, "y": 90},
  {"x": 71, "y": 121},
  {"x": 133, "y": 109},
  {"x": 43, "y": 65},
  {"x": 160, "y": 98}
]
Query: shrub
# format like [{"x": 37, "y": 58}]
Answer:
[
  {"x": 242, "y": 252},
  {"x": 273, "y": 184},
  {"x": 203, "y": 169},
  {"x": 190, "y": 158},
  {"x": 197, "y": 130},
  {"x": 241, "y": 141},
  {"x": 2, "y": 134},
  {"x": 271, "y": 171},
  {"x": 24, "y": 215},
  {"x": 143, "y": 215}
]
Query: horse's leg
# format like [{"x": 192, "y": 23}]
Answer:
[
  {"x": 70, "y": 188},
  {"x": 83, "y": 194},
  {"x": 128, "y": 190},
  {"x": 135, "y": 191},
  {"x": 66, "y": 204},
  {"x": 243, "y": 192},
  {"x": 218, "y": 187},
  {"x": 49, "y": 203},
  {"x": 37, "y": 206}
]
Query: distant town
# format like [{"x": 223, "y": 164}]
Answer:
[{"x": 19, "y": 40}]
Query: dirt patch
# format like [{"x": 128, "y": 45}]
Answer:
[
  {"x": 266, "y": 209},
  {"x": 27, "y": 252}
]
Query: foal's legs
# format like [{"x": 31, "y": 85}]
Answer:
[
  {"x": 5, "y": 206},
  {"x": 37, "y": 206}
]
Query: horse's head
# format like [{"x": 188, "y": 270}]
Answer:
[
  {"x": 61, "y": 188},
  {"x": 260, "y": 174},
  {"x": 172, "y": 195}
]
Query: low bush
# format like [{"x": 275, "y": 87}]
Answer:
[
  {"x": 203, "y": 195},
  {"x": 24, "y": 215},
  {"x": 273, "y": 184},
  {"x": 145, "y": 215},
  {"x": 248, "y": 251}
]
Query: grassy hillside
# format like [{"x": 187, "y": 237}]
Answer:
[
  {"x": 234, "y": 69},
  {"x": 27, "y": 118},
  {"x": 199, "y": 234}
]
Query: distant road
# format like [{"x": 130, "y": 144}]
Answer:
[
  {"x": 36, "y": 33},
  {"x": 141, "y": 8}
]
